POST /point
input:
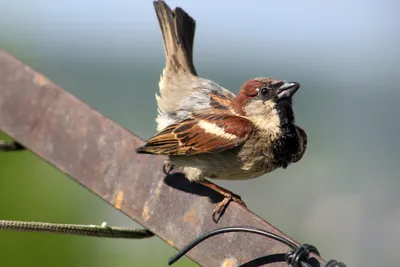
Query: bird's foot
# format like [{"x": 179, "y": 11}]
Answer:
[
  {"x": 168, "y": 167},
  {"x": 221, "y": 207},
  {"x": 228, "y": 197}
]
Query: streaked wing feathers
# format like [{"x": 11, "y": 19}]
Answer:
[
  {"x": 220, "y": 101},
  {"x": 202, "y": 133}
]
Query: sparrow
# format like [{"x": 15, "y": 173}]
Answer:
[{"x": 208, "y": 131}]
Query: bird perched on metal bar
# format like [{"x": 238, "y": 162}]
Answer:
[{"x": 206, "y": 130}]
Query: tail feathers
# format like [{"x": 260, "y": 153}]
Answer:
[
  {"x": 158, "y": 148},
  {"x": 143, "y": 150},
  {"x": 163, "y": 143},
  {"x": 178, "y": 30},
  {"x": 186, "y": 27}
]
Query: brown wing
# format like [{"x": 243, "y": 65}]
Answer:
[{"x": 202, "y": 133}]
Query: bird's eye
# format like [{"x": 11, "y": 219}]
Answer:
[{"x": 264, "y": 92}]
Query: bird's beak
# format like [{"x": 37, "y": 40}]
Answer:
[{"x": 287, "y": 89}]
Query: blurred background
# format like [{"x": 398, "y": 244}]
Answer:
[{"x": 343, "y": 195}]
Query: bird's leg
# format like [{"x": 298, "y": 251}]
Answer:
[
  {"x": 168, "y": 167},
  {"x": 228, "y": 197}
]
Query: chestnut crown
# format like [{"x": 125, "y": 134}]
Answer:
[{"x": 264, "y": 89}]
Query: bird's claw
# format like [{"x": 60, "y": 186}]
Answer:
[
  {"x": 168, "y": 167},
  {"x": 221, "y": 207}
]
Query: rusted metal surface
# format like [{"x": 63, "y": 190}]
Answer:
[{"x": 100, "y": 154}]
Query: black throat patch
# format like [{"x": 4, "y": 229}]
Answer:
[{"x": 287, "y": 146}]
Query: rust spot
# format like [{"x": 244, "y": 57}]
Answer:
[
  {"x": 118, "y": 199},
  {"x": 145, "y": 213},
  {"x": 158, "y": 192},
  {"x": 170, "y": 242},
  {"x": 189, "y": 216},
  {"x": 229, "y": 262},
  {"x": 158, "y": 189},
  {"x": 40, "y": 80}
]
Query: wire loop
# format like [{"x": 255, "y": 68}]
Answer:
[{"x": 298, "y": 257}]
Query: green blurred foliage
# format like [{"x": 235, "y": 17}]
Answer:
[{"x": 32, "y": 190}]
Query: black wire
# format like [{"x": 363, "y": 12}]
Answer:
[
  {"x": 334, "y": 263},
  {"x": 296, "y": 258},
  {"x": 224, "y": 230}
]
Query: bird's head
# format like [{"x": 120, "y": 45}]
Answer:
[{"x": 266, "y": 101}]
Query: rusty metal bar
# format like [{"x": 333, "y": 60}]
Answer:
[{"x": 100, "y": 154}]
